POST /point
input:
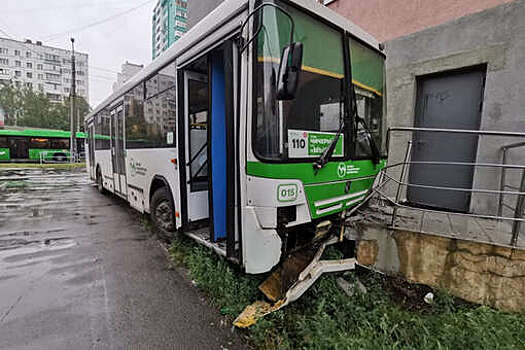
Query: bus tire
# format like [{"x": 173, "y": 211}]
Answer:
[
  {"x": 100, "y": 182},
  {"x": 162, "y": 210},
  {"x": 59, "y": 157}
]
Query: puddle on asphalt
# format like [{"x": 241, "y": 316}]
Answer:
[
  {"x": 15, "y": 243},
  {"x": 36, "y": 193}
]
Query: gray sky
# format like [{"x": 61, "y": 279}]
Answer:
[{"x": 123, "y": 38}]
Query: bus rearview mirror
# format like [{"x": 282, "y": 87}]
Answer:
[{"x": 289, "y": 69}]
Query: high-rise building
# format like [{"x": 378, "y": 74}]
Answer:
[
  {"x": 168, "y": 25},
  {"x": 127, "y": 71},
  {"x": 42, "y": 68},
  {"x": 199, "y": 9}
]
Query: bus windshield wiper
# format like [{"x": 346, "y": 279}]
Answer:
[{"x": 323, "y": 159}]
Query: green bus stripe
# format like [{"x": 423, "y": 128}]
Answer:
[
  {"x": 4, "y": 154},
  {"x": 40, "y": 133}
]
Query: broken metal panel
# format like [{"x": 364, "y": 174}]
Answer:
[{"x": 291, "y": 280}]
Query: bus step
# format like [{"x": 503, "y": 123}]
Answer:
[{"x": 291, "y": 280}]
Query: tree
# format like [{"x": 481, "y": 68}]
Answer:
[
  {"x": 25, "y": 107},
  {"x": 10, "y": 100}
]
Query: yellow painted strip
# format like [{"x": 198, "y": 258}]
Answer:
[
  {"x": 305, "y": 68},
  {"x": 365, "y": 87},
  {"x": 323, "y": 72},
  {"x": 269, "y": 59}
]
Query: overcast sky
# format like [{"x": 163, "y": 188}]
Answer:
[{"x": 125, "y": 37}]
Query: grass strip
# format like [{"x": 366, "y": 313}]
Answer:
[{"x": 326, "y": 318}]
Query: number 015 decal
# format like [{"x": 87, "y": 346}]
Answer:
[
  {"x": 311, "y": 144},
  {"x": 287, "y": 193}
]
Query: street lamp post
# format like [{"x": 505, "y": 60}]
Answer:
[{"x": 72, "y": 102}]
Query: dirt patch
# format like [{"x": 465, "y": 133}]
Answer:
[{"x": 410, "y": 296}]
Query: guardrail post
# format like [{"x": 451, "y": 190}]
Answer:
[
  {"x": 518, "y": 213},
  {"x": 401, "y": 178},
  {"x": 502, "y": 181}
]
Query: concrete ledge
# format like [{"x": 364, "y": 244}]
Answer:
[{"x": 477, "y": 272}]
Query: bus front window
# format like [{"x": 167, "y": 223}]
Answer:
[{"x": 301, "y": 128}]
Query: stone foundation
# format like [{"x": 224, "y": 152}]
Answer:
[{"x": 477, "y": 272}]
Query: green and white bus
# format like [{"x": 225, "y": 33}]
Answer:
[
  {"x": 258, "y": 126},
  {"x": 33, "y": 145}
]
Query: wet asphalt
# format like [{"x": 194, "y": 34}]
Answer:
[{"x": 79, "y": 271}]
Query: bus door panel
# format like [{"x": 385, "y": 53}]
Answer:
[
  {"x": 117, "y": 150},
  {"x": 91, "y": 150},
  {"x": 19, "y": 147},
  {"x": 196, "y": 105}
]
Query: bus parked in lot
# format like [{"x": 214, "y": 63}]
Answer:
[
  {"x": 262, "y": 123},
  {"x": 28, "y": 144}
]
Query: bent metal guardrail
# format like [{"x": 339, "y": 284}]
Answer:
[{"x": 403, "y": 182}]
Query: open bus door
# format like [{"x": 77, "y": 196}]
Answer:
[
  {"x": 196, "y": 100},
  {"x": 117, "y": 151},
  {"x": 210, "y": 150}
]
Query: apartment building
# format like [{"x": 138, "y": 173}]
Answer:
[
  {"x": 42, "y": 68},
  {"x": 168, "y": 25},
  {"x": 197, "y": 10},
  {"x": 127, "y": 71}
]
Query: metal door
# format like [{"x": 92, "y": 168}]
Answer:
[
  {"x": 196, "y": 105},
  {"x": 447, "y": 101},
  {"x": 117, "y": 150}
]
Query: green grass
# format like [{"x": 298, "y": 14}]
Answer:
[
  {"x": 326, "y": 318},
  {"x": 65, "y": 166}
]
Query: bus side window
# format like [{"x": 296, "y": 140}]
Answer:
[
  {"x": 151, "y": 122},
  {"x": 60, "y": 143},
  {"x": 3, "y": 142},
  {"x": 40, "y": 143}
]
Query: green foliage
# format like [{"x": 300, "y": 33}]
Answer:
[
  {"x": 229, "y": 290},
  {"x": 326, "y": 318},
  {"x": 29, "y": 108}
]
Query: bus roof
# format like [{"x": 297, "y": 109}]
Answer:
[
  {"x": 222, "y": 14},
  {"x": 29, "y": 132}
]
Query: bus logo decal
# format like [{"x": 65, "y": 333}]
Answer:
[{"x": 344, "y": 170}]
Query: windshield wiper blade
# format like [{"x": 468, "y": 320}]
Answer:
[{"x": 327, "y": 154}]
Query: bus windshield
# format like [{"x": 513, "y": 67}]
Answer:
[{"x": 301, "y": 128}]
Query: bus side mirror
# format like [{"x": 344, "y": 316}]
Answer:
[{"x": 288, "y": 79}]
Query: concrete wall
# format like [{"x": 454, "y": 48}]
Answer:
[
  {"x": 198, "y": 9},
  {"x": 495, "y": 37},
  {"x": 389, "y": 19}
]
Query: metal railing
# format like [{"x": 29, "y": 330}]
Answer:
[
  {"x": 60, "y": 157},
  {"x": 519, "y": 208},
  {"x": 505, "y": 189}
]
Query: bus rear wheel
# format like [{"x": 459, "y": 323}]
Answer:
[
  {"x": 162, "y": 212},
  {"x": 100, "y": 185}
]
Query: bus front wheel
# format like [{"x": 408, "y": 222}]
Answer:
[{"x": 162, "y": 212}]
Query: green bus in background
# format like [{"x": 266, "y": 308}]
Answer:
[{"x": 32, "y": 145}]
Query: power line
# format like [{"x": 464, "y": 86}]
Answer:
[
  {"x": 102, "y": 77},
  {"x": 93, "y": 24},
  {"x": 45, "y": 9},
  {"x": 103, "y": 69}
]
